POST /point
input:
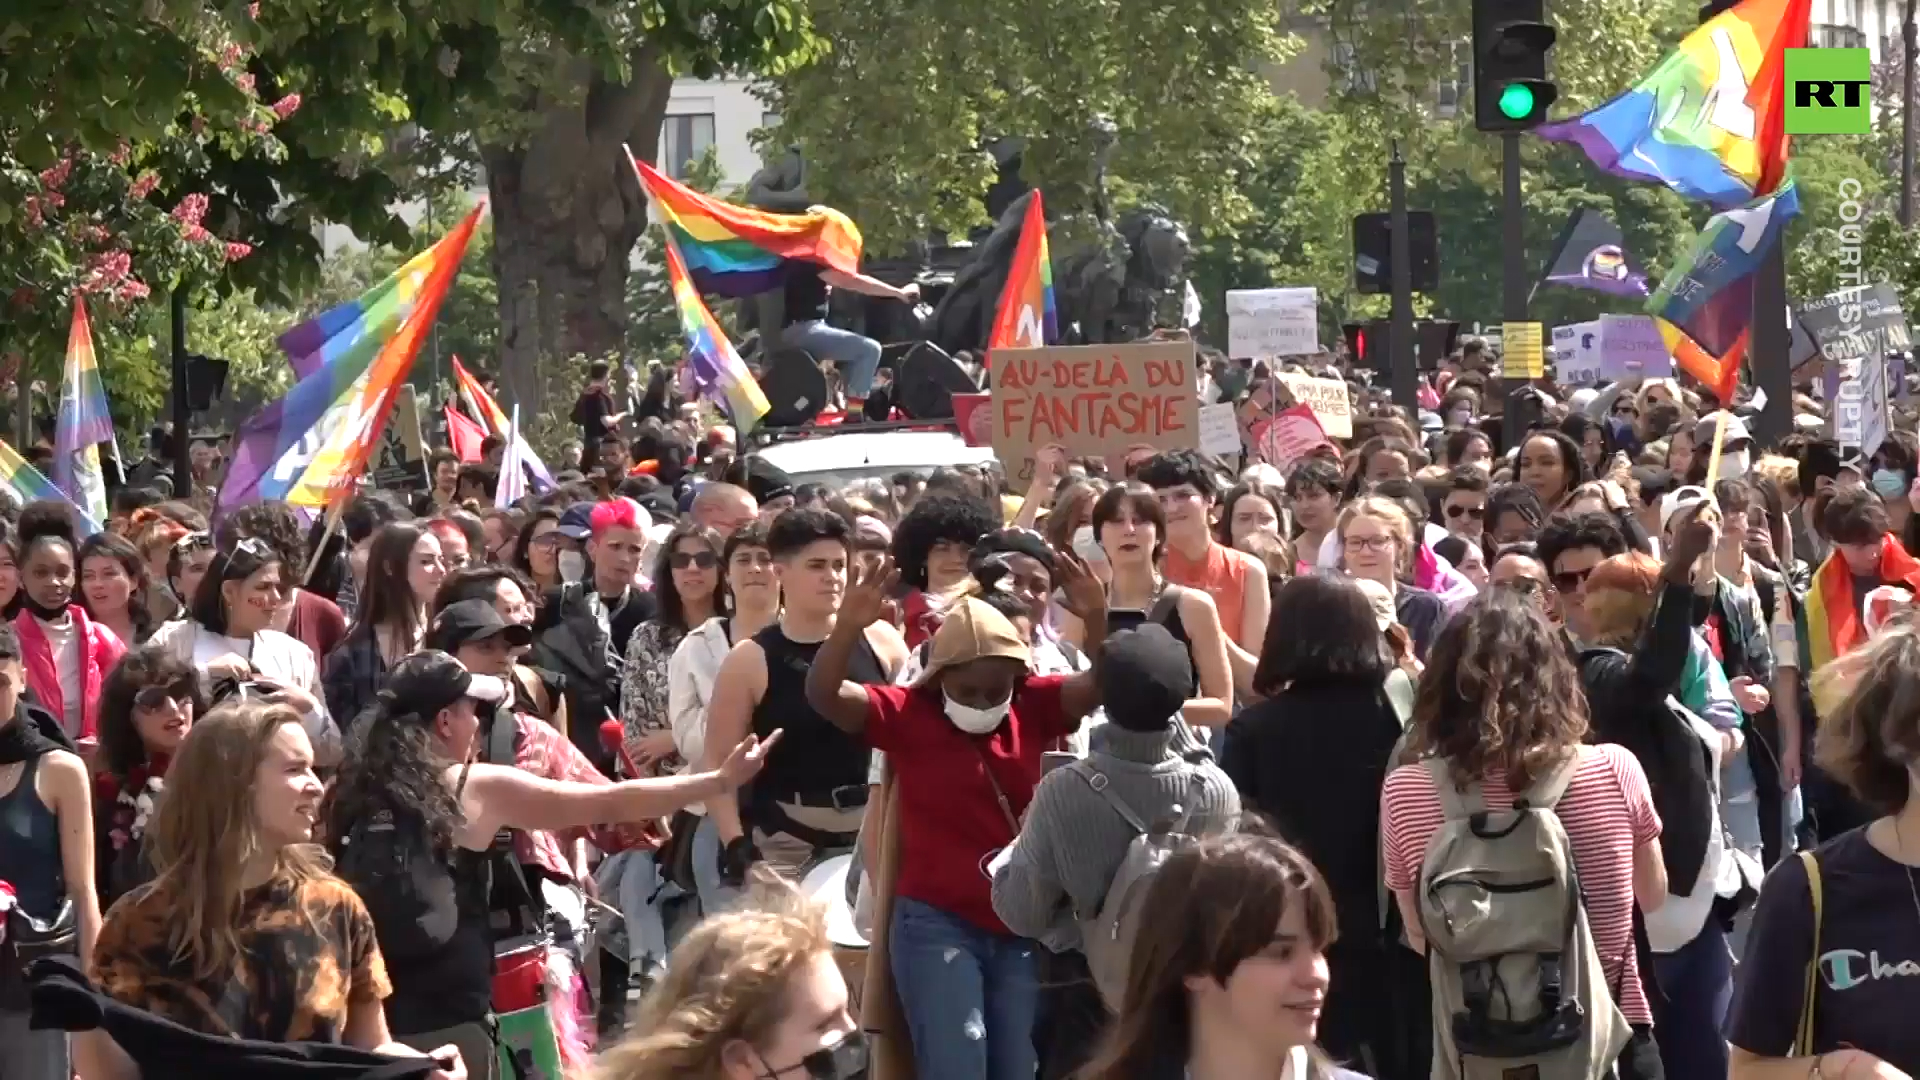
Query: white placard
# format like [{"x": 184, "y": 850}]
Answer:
[
  {"x": 1576, "y": 354},
  {"x": 1265, "y": 323},
  {"x": 1219, "y": 430}
]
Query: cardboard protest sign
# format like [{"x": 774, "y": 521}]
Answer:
[
  {"x": 1632, "y": 345},
  {"x": 1265, "y": 323},
  {"x": 1855, "y": 323},
  {"x": 1328, "y": 400},
  {"x": 1219, "y": 434},
  {"x": 1288, "y": 436},
  {"x": 1576, "y": 353},
  {"x": 400, "y": 460},
  {"x": 1095, "y": 400}
]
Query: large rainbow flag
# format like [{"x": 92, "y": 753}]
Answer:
[
  {"x": 308, "y": 447},
  {"x": 1709, "y": 122},
  {"x": 83, "y": 422},
  {"x": 716, "y": 367},
  {"x": 735, "y": 251},
  {"x": 1027, "y": 318},
  {"x": 29, "y": 484}
]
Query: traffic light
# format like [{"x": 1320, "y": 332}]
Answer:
[
  {"x": 1373, "y": 252},
  {"x": 1510, "y": 44}
]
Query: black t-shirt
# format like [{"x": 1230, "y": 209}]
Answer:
[
  {"x": 805, "y": 294},
  {"x": 591, "y": 413},
  {"x": 1869, "y": 978}
]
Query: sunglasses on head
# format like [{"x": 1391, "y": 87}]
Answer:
[
  {"x": 1570, "y": 581},
  {"x": 1474, "y": 512},
  {"x": 193, "y": 541},
  {"x": 705, "y": 560}
]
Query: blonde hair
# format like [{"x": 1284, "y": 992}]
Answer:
[
  {"x": 727, "y": 980},
  {"x": 204, "y": 833},
  {"x": 1388, "y": 513}
]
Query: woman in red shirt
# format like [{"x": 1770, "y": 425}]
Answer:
[{"x": 965, "y": 743}]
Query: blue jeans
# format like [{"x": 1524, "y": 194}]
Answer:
[
  {"x": 1697, "y": 982},
  {"x": 970, "y": 995},
  {"x": 857, "y": 356},
  {"x": 714, "y": 896},
  {"x": 642, "y": 894}
]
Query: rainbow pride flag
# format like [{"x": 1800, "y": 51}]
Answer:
[
  {"x": 1027, "y": 318},
  {"x": 716, "y": 367},
  {"x": 1832, "y": 613},
  {"x": 494, "y": 420},
  {"x": 1709, "y": 121},
  {"x": 29, "y": 484},
  {"x": 735, "y": 251},
  {"x": 308, "y": 447},
  {"x": 82, "y": 423}
]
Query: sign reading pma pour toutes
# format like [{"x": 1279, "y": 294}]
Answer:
[{"x": 1828, "y": 92}]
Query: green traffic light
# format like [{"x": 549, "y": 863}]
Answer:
[{"x": 1516, "y": 101}]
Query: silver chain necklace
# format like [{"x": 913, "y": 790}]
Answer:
[{"x": 1900, "y": 848}]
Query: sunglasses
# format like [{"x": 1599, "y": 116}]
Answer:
[
  {"x": 162, "y": 697},
  {"x": 1572, "y": 580},
  {"x": 255, "y": 548},
  {"x": 1474, "y": 512},
  {"x": 705, "y": 560},
  {"x": 193, "y": 541},
  {"x": 1525, "y": 586}
]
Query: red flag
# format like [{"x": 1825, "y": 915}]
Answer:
[{"x": 465, "y": 435}]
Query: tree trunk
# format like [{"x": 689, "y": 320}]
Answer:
[{"x": 567, "y": 210}]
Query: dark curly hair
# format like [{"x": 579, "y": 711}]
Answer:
[
  {"x": 1500, "y": 695},
  {"x": 121, "y": 750},
  {"x": 1871, "y": 738},
  {"x": 390, "y": 766},
  {"x": 954, "y": 519},
  {"x": 275, "y": 524},
  {"x": 673, "y": 608}
]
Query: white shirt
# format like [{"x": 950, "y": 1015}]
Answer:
[
  {"x": 276, "y": 656},
  {"x": 63, "y": 641}
]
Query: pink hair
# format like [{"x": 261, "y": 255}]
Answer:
[{"x": 615, "y": 514}]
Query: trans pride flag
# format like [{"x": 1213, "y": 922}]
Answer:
[
  {"x": 1027, "y": 318},
  {"x": 308, "y": 447},
  {"x": 735, "y": 251},
  {"x": 29, "y": 484},
  {"x": 1709, "y": 122},
  {"x": 82, "y": 423}
]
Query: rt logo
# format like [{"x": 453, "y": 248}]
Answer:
[{"x": 1828, "y": 92}]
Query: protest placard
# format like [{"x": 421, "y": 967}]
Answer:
[
  {"x": 1288, "y": 436},
  {"x": 1632, "y": 345},
  {"x": 1265, "y": 323},
  {"x": 1576, "y": 353},
  {"x": 1522, "y": 354},
  {"x": 1219, "y": 433},
  {"x": 1328, "y": 400},
  {"x": 1094, "y": 400},
  {"x": 1855, "y": 323},
  {"x": 400, "y": 460}
]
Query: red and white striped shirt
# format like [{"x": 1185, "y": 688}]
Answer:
[{"x": 1607, "y": 811}]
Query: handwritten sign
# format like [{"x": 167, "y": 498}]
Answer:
[
  {"x": 1288, "y": 436},
  {"x": 400, "y": 459},
  {"x": 1328, "y": 400},
  {"x": 1632, "y": 345},
  {"x": 1219, "y": 432},
  {"x": 1095, "y": 400},
  {"x": 1265, "y": 323},
  {"x": 1522, "y": 355},
  {"x": 1576, "y": 353}
]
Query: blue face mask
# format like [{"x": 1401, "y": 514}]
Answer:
[{"x": 1889, "y": 483}]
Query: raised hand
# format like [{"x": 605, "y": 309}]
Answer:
[
  {"x": 867, "y": 590},
  {"x": 1083, "y": 592},
  {"x": 745, "y": 760}
]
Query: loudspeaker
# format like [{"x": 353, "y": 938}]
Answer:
[
  {"x": 925, "y": 381},
  {"x": 1373, "y": 252},
  {"x": 795, "y": 386}
]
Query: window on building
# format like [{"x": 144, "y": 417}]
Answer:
[
  {"x": 1451, "y": 93},
  {"x": 683, "y": 141},
  {"x": 769, "y": 119},
  {"x": 1830, "y": 36},
  {"x": 1346, "y": 63}
]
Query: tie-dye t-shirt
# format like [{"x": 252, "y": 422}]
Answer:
[{"x": 307, "y": 954}]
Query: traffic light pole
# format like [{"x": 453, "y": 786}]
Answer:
[
  {"x": 1406, "y": 379},
  {"x": 1513, "y": 261}
]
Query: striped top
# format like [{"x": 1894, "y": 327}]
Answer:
[{"x": 1607, "y": 812}]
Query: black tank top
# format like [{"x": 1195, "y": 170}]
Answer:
[
  {"x": 805, "y": 294},
  {"x": 813, "y": 757},
  {"x": 1166, "y": 612},
  {"x": 30, "y": 845}
]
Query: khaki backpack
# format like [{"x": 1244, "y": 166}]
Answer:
[{"x": 1518, "y": 989}]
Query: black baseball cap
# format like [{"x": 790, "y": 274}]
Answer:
[
  {"x": 473, "y": 620},
  {"x": 427, "y": 682}
]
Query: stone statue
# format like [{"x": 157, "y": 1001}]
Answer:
[
  {"x": 779, "y": 187},
  {"x": 964, "y": 318}
]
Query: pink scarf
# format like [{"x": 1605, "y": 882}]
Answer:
[{"x": 100, "y": 649}]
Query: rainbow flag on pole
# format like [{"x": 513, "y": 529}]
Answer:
[
  {"x": 83, "y": 422},
  {"x": 308, "y": 447},
  {"x": 734, "y": 251},
  {"x": 1027, "y": 318},
  {"x": 715, "y": 364},
  {"x": 29, "y": 484},
  {"x": 494, "y": 420}
]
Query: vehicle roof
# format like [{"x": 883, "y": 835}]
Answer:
[{"x": 879, "y": 450}]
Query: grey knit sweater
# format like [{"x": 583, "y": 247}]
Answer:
[{"x": 1072, "y": 841}]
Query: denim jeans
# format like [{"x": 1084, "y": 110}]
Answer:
[
  {"x": 970, "y": 996},
  {"x": 857, "y": 356},
  {"x": 715, "y": 897},
  {"x": 1697, "y": 982},
  {"x": 633, "y": 879}
]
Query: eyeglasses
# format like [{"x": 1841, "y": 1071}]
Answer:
[
  {"x": 1570, "y": 581},
  {"x": 1367, "y": 543},
  {"x": 705, "y": 560},
  {"x": 1525, "y": 586},
  {"x": 1474, "y": 512}
]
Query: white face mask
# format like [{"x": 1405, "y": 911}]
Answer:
[
  {"x": 573, "y": 566},
  {"x": 1733, "y": 466},
  {"x": 976, "y": 721}
]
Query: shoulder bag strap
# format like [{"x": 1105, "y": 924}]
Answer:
[
  {"x": 1803, "y": 1037},
  {"x": 999, "y": 793},
  {"x": 1454, "y": 802},
  {"x": 1196, "y": 787},
  {"x": 1097, "y": 780},
  {"x": 1163, "y": 609}
]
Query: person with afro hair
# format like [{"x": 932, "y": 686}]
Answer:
[{"x": 931, "y": 548}]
